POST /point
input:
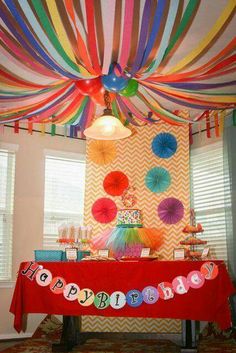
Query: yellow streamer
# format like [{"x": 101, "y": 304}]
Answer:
[
  {"x": 204, "y": 97},
  {"x": 207, "y": 39},
  {"x": 59, "y": 27},
  {"x": 42, "y": 129},
  {"x": 222, "y": 121}
]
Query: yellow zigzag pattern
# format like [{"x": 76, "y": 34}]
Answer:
[
  {"x": 124, "y": 324},
  {"x": 135, "y": 158}
]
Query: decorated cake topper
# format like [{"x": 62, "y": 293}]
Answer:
[{"x": 128, "y": 197}]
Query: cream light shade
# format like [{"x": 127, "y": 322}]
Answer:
[{"x": 107, "y": 127}]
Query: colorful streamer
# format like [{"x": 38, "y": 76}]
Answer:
[
  {"x": 174, "y": 4},
  {"x": 207, "y": 39},
  {"x": 127, "y": 33},
  {"x": 54, "y": 69}
]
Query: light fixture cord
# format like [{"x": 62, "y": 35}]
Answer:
[{"x": 107, "y": 100}]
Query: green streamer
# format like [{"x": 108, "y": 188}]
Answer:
[
  {"x": 79, "y": 111},
  {"x": 189, "y": 11},
  {"x": 234, "y": 117},
  {"x": 164, "y": 112},
  {"x": 53, "y": 130},
  {"x": 51, "y": 34},
  {"x": 116, "y": 113}
]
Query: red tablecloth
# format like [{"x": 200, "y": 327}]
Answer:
[{"x": 208, "y": 303}]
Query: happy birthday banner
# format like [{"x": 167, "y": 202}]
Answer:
[
  {"x": 58, "y": 58},
  {"x": 165, "y": 290}
]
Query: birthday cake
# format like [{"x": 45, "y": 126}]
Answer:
[{"x": 129, "y": 218}]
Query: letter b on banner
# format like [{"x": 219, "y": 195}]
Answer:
[
  {"x": 101, "y": 300},
  {"x": 165, "y": 290}
]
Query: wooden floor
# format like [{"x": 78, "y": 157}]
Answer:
[{"x": 7, "y": 344}]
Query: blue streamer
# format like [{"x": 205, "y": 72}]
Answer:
[
  {"x": 155, "y": 29},
  {"x": 186, "y": 104},
  {"x": 197, "y": 86},
  {"x": 143, "y": 36},
  {"x": 58, "y": 100},
  {"x": 21, "y": 40},
  {"x": 44, "y": 39},
  {"x": 165, "y": 38},
  {"x": 31, "y": 38},
  {"x": 84, "y": 115}
]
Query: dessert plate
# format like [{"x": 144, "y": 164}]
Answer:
[{"x": 137, "y": 259}]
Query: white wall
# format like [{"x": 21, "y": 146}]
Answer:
[{"x": 28, "y": 207}]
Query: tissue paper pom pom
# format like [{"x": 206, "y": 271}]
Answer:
[
  {"x": 104, "y": 210},
  {"x": 171, "y": 210},
  {"x": 115, "y": 183},
  {"x": 101, "y": 152},
  {"x": 157, "y": 179},
  {"x": 164, "y": 145}
]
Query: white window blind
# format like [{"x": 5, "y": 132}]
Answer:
[
  {"x": 7, "y": 176},
  {"x": 211, "y": 195},
  {"x": 63, "y": 195}
]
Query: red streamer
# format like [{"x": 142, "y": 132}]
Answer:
[
  {"x": 81, "y": 47},
  {"x": 30, "y": 126},
  {"x": 16, "y": 127},
  {"x": 216, "y": 120},
  {"x": 208, "y": 125},
  {"x": 92, "y": 43}
]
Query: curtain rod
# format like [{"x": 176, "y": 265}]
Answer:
[{"x": 46, "y": 132}]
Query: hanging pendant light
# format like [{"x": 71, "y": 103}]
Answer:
[{"x": 107, "y": 127}]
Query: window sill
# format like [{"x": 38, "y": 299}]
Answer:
[{"x": 7, "y": 284}]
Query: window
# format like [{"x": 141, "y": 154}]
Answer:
[
  {"x": 211, "y": 195},
  {"x": 7, "y": 176},
  {"x": 63, "y": 195}
]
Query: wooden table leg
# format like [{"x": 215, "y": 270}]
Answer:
[
  {"x": 188, "y": 336},
  {"x": 70, "y": 334}
]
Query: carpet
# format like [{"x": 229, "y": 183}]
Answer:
[{"x": 211, "y": 341}]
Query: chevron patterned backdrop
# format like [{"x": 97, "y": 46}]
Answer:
[{"x": 135, "y": 158}]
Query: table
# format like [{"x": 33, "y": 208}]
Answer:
[{"x": 52, "y": 290}]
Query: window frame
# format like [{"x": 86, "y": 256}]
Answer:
[
  {"x": 224, "y": 194},
  {"x": 56, "y": 214},
  {"x": 8, "y": 212}
]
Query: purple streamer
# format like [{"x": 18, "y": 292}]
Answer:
[
  {"x": 196, "y": 86},
  {"x": 71, "y": 131},
  {"x": 21, "y": 40},
  {"x": 180, "y": 102},
  {"x": 45, "y": 90},
  {"x": 143, "y": 36},
  {"x": 84, "y": 116},
  {"x": 60, "y": 99},
  {"x": 155, "y": 29},
  {"x": 34, "y": 42},
  {"x": 124, "y": 110}
]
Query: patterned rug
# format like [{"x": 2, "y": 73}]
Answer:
[{"x": 212, "y": 341}]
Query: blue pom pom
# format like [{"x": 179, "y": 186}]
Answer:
[
  {"x": 157, "y": 179},
  {"x": 164, "y": 145}
]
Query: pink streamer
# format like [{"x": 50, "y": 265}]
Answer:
[
  {"x": 48, "y": 113},
  {"x": 33, "y": 76},
  {"x": 108, "y": 27},
  {"x": 133, "y": 110},
  {"x": 25, "y": 58},
  {"x": 127, "y": 33},
  {"x": 90, "y": 114},
  {"x": 24, "y": 102}
]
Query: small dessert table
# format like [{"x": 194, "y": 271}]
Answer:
[{"x": 206, "y": 303}]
